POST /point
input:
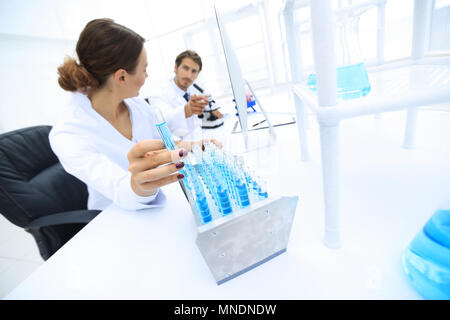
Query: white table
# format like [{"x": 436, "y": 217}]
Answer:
[{"x": 151, "y": 254}]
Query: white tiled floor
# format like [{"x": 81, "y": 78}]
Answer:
[{"x": 19, "y": 256}]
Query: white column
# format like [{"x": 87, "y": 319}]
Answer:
[
  {"x": 421, "y": 31},
  {"x": 410, "y": 129},
  {"x": 329, "y": 146},
  {"x": 300, "y": 114},
  {"x": 322, "y": 22},
  {"x": 295, "y": 64},
  {"x": 381, "y": 26},
  {"x": 421, "y": 28}
]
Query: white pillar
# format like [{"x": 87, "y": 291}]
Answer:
[
  {"x": 322, "y": 22},
  {"x": 421, "y": 28},
  {"x": 410, "y": 129},
  {"x": 295, "y": 64},
  {"x": 421, "y": 32},
  {"x": 329, "y": 146},
  {"x": 300, "y": 113},
  {"x": 381, "y": 26}
]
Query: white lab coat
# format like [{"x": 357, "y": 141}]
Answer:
[
  {"x": 92, "y": 150},
  {"x": 169, "y": 99}
]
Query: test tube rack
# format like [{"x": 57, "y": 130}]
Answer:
[
  {"x": 251, "y": 235},
  {"x": 235, "y": 244},
  {"x": 239, "y": 226}
]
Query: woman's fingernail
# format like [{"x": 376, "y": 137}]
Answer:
[
  {"x": 182, "y": 153},
  {"x": 179, "y": 165},
  {"x": 180, "y": 176}
]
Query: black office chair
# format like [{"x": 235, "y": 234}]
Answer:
[{"x": 36, "y": 193}]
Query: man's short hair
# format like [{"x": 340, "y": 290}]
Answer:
[{"x": 189, "y": 54}]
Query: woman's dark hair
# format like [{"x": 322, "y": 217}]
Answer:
[
  {"x": 189, "y": 54},
  {"x": 103, "y": 47}
]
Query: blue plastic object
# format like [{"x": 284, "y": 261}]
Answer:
[
  {"x": 352, "y": 81},
  {"x": 250, "y": 104},
  {"x": 426, "y": 261}
]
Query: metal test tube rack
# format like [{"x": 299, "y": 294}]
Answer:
[{"x": 238, "y": 242}]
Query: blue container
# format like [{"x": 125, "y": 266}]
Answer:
[
  {"x": 263, "y": 195},
  {"x": 426, "y": 261},
  {"x": 352, "y": 81}
]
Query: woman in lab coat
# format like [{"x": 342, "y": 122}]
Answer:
[{"x": 107, "y": 136}]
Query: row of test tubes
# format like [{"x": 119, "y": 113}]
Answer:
[
  {"x": 225, "y": 184},
  {"x": 216, "y": 183}
]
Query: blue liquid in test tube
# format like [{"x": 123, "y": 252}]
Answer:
[
  {"x": 212, "y": 178},
  {"x": 242, "y": 192},
  {"x": 230, "y": 186},
  {"x": 191, "y": 180}
]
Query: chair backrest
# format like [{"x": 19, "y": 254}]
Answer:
[{"x": 32, "y": 181}]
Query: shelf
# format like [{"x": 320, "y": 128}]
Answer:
[{"x": 402, "y": 87}]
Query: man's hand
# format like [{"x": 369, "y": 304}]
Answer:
[
  {"x": 195, "y": 105},
  {"x": 217, "y": 114}
]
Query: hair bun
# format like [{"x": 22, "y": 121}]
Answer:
[{"x": 74, "y": 77}]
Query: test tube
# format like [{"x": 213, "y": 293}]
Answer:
[
  {"x": 213, "y": 178},
  {"x": 262, "y": 192},
  {"x": 241, "y": 183},
  {"x": 191, "y": 180}
]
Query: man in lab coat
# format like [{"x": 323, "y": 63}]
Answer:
[{"x": 184, "y": 102}]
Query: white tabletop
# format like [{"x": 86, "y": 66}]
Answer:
[{"x": 151, "y": 254}]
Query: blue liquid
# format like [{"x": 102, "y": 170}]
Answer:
[
  {"x": 214, "y": 183},
  {"x": 352, "y": 81},
  {"x": 166, "y": 136},
  {"x": 426, "y": 261},
  {"x": 263, "y": 195},
  {"x": 243, "y": 194},
  {"x": 225, "y": 205},
  {"x": 226, "y": 174},
  {"x": 201, "y": 201},
  {"x": 222, "y": 177},
  {"x": 190, "y": 177},
  {"x": 203, "y": 208}
]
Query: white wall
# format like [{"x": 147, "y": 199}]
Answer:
[
  {"x": 29, "y": 88},
  {"x": 35, "y": 35}
]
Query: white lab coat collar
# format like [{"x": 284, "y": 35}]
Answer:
[
  {"x": 191, "y": 90},
  {"x": 81, "y": 100}
]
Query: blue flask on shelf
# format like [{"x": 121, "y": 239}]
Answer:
[
  {"x": 352, "y": 81},
  {"x": 351, "y": 72}
]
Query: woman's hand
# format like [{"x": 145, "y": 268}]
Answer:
[
  {"x": 187, "y": 145},
  {"x": 152, "y": 166}
]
